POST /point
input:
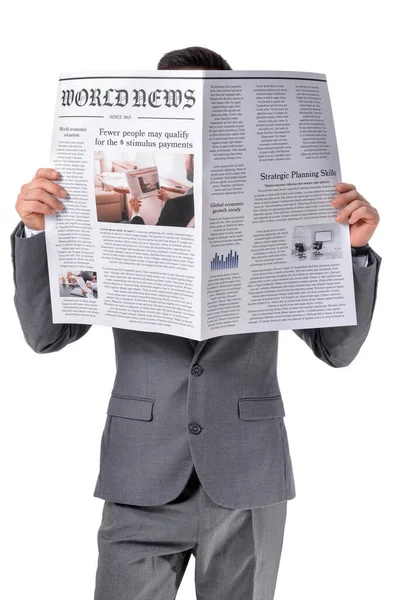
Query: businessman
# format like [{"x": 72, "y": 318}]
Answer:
[
  {"x": 176, "y": 212},
  {"x": 194, "y": 456}
]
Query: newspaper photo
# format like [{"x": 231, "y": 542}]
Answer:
[{"x": 199, "y": 203}]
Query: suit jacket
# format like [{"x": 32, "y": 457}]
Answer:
[
  {"x": 176, "y": 212},
  {"x": 176, "y": 403}
]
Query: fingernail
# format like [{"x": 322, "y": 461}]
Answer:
[
  {"x": 54, "y": 174},
  {"x": 337, "y": 217},
  {"x": 64, "y": 193}
]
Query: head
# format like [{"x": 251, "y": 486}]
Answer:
[{"x": 193, "y": 58}]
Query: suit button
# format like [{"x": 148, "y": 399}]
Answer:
[
  {"x": 197, "y": 370},
  {"x": 195, "y": 428}
]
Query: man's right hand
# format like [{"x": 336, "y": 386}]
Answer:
[
  {"x": 38, "y": 198},
  {"x": 135, "y": 204}
]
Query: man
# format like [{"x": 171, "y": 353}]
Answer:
[
  {"x": 194, "y": 454},
  {"x": 176, "y": 212}
]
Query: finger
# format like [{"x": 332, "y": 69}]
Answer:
[
  {"x": 44, "y": 197},
  {"x": 345, "y": 187},
  {"x": 40, "y": 196},
  {"x": 355, "y": 207},
  {"x": 348, "y": 197},
  {"x": 34, "y": 206},
  {"x": 45, "y": 184},
  {"x": 366, "y": 213},
  {"x": 344, "y": 214},
  {"x": 345, "y": 198},
  {"x": 47, "y": 173}
]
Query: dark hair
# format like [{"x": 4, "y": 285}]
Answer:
[{"x": 193, "y": 57}]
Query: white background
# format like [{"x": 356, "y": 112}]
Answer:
[{"x": 342, "y": 531}]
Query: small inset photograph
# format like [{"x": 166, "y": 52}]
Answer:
[
  {"x": 78, "y": 284},
  {"x": 316, "y": 242},
  {"x": 144, "y": 188}
]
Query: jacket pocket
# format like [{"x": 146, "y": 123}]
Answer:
[
  {"x": 130, "y": 407},
  {"x": 262, "y": 407}
]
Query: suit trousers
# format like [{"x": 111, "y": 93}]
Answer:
[{"x": 144, "y": 550}]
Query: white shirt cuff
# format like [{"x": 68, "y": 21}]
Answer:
[{"x": 31, "y": 232}]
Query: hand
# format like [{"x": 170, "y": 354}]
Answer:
[
  {"x": 89, "y": 284},
  {"x": 135, "y": 204},
  {"x": 39, "y": 197},
  {"x": 164, "y": 195},
  {"x": 362, "y": 218}
]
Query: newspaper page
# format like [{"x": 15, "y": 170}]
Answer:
[
  {"x": 199, "y": 203},
  {"x": 126, "y": 251},
  {"x": 274, "y": 256}
]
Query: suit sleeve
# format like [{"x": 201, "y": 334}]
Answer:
[
  {"x": 136, "y": 220},
  {"x": 32, "y": 295},
  {"x": 170, "y": 214},
  {"x": 338, "y": 346}
]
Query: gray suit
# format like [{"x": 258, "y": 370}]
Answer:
[{"x": 176, "y": 403}]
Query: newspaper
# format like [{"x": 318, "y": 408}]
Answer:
[{"x": 199, "y": 203}]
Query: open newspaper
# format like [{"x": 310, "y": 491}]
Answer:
[{"x": 199, "y": 203}]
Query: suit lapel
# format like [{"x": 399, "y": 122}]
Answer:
[
  {"x": 193, "y": 343},
  {"x": 198, "y": 348}
]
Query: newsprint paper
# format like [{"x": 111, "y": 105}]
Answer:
[{"x": 199, "y": 203}]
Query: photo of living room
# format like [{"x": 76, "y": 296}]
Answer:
[
  {"x": 78, "y": 284},
  {"x": 144, "y": 188},
  {"x": 316, "y": 242}
]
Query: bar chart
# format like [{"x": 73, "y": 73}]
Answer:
[{"x": 230, "y": 261}]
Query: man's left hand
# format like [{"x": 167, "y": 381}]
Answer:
[
  {"x": 164, "y": 195},
  {"x": 355, "y": 210}
]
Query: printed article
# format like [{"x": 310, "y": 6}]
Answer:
[{"x": 199, "y": 203}]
